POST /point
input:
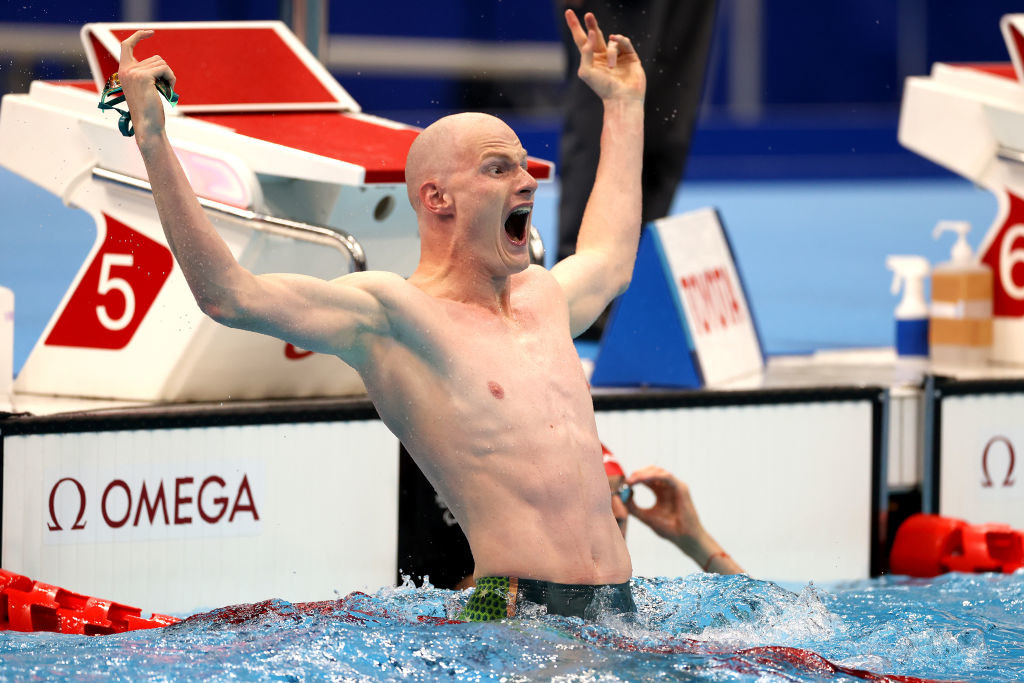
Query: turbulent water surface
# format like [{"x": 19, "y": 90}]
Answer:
[{"x": 700, "y": 627}]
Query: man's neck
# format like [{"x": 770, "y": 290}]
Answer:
[{"x": 464, "y": 282}]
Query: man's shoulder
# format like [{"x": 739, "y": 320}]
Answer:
[
  {"x": 538, "y": 280},
  {"x": 380, "y": 283},
  {"x": 538, "y": 286},
  {"x": 395, "y": 294},
  {"x": 535, "y": 276},
  {"x": 372, "y": 278}
]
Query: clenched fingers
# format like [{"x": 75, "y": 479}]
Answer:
[
  {"x": 624, "y": 44},
  {"x": 613, "y": 52},
  {"x": 158, "y": 68},
  {"x": 648, "y": 475}
]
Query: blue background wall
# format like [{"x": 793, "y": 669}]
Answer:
[{"x": 813, "y": 185}]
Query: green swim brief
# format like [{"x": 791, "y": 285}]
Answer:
[{"x": 498, "y": 597}]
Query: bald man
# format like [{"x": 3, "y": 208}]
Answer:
[{"x": 470, "y": 361}]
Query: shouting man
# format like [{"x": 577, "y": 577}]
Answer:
[{"x": 470, "y": 361}]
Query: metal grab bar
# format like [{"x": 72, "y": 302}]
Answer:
[
  {"x": 536, "y": 247},
  {"x": 1010, "y": 154},
  {"x": 331, "y": 237}
]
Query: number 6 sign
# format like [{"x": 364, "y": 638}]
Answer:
[
  {"x": 1005, "y": 255},
  {"x": 116, "y": 291}
]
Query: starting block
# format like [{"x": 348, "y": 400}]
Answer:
[
  {"x": 969, "y": 118},
  {"x": 290, "y": 172}
]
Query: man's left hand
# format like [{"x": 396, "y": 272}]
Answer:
[{"x": 612, "y": 69}]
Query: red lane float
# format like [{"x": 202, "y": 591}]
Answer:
[
  {"x": 929, "y": 545},
  {"x": 27, "y": 605}
]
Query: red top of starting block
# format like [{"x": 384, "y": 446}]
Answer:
[
  {"x": 380, "y": 149},
  {"x": 1001, "y": 69},
  {"x": 256, "y": 78},
  {"x": 225, "y": 65},
  {"x": 378, "y": 146}
]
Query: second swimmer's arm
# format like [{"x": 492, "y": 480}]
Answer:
[{"x": 674, "y": 517}]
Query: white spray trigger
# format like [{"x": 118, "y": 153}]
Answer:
[{"x": 909, "y": 273}]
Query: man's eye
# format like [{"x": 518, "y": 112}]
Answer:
[{"x": 495, "y": 170}]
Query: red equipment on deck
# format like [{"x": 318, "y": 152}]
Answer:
[
  {"x": 929, "y": 545},
  {"x": 27, "y": 605}
]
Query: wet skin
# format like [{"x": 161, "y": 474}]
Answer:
[
  {"x": 483, "y": 384},
  {"x": 470, "y": 361}
]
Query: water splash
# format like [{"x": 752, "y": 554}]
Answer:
[{"x": 700, "y": 627}]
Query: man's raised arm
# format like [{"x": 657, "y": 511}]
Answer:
[
  {"x": 606, "y": 248},
  {"x": 312, "y": 313}
]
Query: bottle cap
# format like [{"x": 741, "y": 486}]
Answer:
[{"x": 961, "y": 253}]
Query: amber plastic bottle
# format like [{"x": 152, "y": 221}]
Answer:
[{"x": 960, "y": 329}]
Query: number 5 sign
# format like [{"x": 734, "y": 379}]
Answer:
[{"x": 116, "y": 291}]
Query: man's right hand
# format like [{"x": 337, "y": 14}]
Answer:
[{"x": 138, "y": 79}]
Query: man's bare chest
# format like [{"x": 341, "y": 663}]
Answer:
[{"x": 526, "y": 365}]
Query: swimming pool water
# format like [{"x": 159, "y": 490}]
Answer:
[{"x": 699, "y": 627}]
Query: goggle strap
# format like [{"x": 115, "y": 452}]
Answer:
[{"x": 113, "y": 95}]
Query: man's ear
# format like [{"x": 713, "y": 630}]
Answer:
[{"x": 435, "y": 200}]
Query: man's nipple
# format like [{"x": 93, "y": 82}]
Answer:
[{"x": 496, "y": 390}]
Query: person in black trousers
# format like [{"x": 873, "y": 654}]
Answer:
[{"x": 672, "y": 38}]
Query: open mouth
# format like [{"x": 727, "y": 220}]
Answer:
[{"x": 516, "y": 224}]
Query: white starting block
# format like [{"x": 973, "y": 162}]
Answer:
[
  {"x": 290, "y": 172},
  {"x": 970, "y": 119}
]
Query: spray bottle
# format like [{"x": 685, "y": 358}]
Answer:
[
  {"x": 912, "y": 313},
  {"x": 961, "y": 322}
]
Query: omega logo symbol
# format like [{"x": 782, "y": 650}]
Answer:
[
  {"x": 175, "y": 501},
  {"x": 1008, "y": 480},
  {"x": 54, "y": 525}
]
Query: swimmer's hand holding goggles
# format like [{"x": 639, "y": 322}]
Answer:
[{"x": 113, "y": 95}]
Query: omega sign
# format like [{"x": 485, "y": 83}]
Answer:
[{"x": 153, "y": 505}]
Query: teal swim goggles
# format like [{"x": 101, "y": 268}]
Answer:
[
  {"x": 113, "y": 95},
  {"x": 624, "y": 492}
]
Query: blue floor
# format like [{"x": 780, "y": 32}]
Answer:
[{"x": 812, "y": 254}]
